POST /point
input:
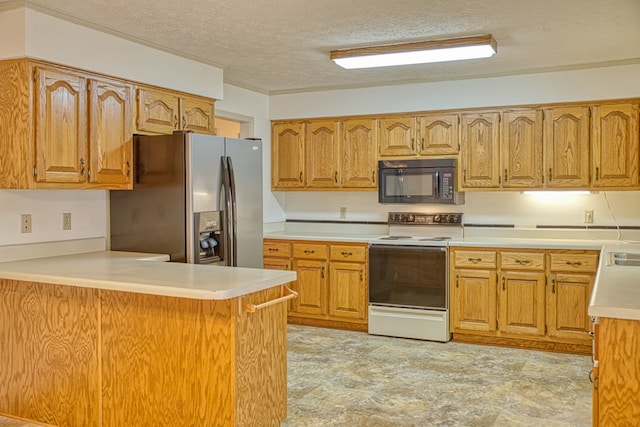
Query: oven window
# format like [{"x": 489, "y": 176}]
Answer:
[
  {"x": 408, "y": 184},
  {"x": 408, "y": 276}
]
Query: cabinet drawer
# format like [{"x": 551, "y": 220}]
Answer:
[
  {"x": 587, "y": 263},
  {"x": 533, "y": 261},
  {"x": 276, "y": 249},
  {"x": 475, "y": 259},
  {"x": 309, "y": 251},
  {"x": 348, "y": 253}
]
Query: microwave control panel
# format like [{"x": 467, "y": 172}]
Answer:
[{"x": 447, "y": 185}]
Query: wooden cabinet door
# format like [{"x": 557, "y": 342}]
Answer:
[
  {"x": 197, "y": 115},
  {"x": 397, "y": 136},
  {"x": 566, "y": 147},
  {"x": 322, "y": 146},
  {"x": 311, "y": 286},
  {"x": 61, "y": 141},
  {"x": 568, "y": 301},
  {"x": 158, "y": 111},
  {"x": 522, "y": 303},
  {"x": 615, "y": 140},
  {"x": 479, "y": 150},
  {"x": 359, "y": 155},
  {"x": 521, "y": 149},
  {"x": 438, "y": 134},
  {"x": 287, "y": 155},
  {"x": 110, "y": 133},
  {"x": 347, "y": 290},
  {"x": 473, "y": 305}
]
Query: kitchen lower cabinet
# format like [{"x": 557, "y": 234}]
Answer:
[
  {"x": 533, "y": 298},
  {"x": 332, "y": 281},
  {"x": 616, "y": 372}
]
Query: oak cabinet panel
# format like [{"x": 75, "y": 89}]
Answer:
[
  {"x": 521, "y": 149},
  {"x": 61, "y": 140},
  {"x": 322, "y": 148},
  {"x": 568, "y": 304},
  {"x": 359, "y": 153},
  {"x": 287, "y": 155},
  {"x": 566, "y": 147},
  {"x": 197, "y": 115},
  {"x": 439, "y": 134},
  {"x": 473, "y": 306},
  {"x": 311, "y": 286},
  {"x": 397, "y": 136},
  {"x": 480, "y": 150},
  {"x": 522, "y": 303},
  {"x": 347, "y": 290},
  {"x": 615, "y": 140}
]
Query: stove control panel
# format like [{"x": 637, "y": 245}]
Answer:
[{"x": 412, "y": 218}]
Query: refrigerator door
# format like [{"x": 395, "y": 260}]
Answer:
[
  {"x": 246, "y": 162},
  {"x": 204, "y": 179},
  {"x": 152, "y": 216}
]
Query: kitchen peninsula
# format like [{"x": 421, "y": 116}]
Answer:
[{"x": 114, "y": 338}]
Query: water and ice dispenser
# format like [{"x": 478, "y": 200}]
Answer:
[{"x": 208, "y": 239}]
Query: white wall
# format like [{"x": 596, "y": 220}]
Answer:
[
  {"x": 255, "y": 106},
  {"x": 480, "y": 207}
]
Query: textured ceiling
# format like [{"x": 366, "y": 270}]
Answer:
[{"x": 277, "y": 46}]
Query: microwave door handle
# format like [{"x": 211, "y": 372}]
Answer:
[{"x": 436, "y": 185}]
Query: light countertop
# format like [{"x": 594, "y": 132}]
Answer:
[{"x": 146, "y": 274}]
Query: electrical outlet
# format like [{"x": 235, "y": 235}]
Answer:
[
  {"x": 343, "y": 213},
  {"x": 588, "y": 216},
  {"x": 25, "y": 223},
  {"x": 66, "y": 221}
]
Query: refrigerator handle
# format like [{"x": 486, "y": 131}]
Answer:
[
  {"x": 234, "y": 218},
  {"x": 227, "y": 222}
]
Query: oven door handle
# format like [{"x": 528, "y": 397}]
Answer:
[{"x": 376, "y": 246}]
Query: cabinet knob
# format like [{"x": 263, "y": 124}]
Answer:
[
  {"x": 175, "y": 122},
  {"x": 128, "y": 168},
  {"x": 597, "y": 173},
  {"x": 505, "y": 175},
  {"x": 184, "y": 121},
  {"x": 550, "y": 174},
  {"x": 81, "y": 167}
]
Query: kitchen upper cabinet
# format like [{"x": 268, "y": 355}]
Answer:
[
  {"x": 439, "y": 134},
  {"x": 110, "y": 132},
  {"x": 615, "y": 140},
  {"x": 521, "y": 149},
  {"x": 359, "y": 154},
  {"x": 74, "y": 128},
  {"x": 566, "y": 147},
  {"x": 322, "y": 148},
  {"x": 397, "y": 136},
  {"x": 61, "y": 135},
  {"x": 480, "y": 153},
  {"x": 163, "y": 111},
  {"x": 287, "y": 155}
]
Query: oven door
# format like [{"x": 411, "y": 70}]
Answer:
[{"x": 408, "y": 276}]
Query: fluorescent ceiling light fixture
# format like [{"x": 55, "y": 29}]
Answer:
[{"x": 416, "y": 52}]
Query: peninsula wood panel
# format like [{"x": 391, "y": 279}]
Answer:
[
  {"x": 287, "y": 155},
  {"x": 49, "y": 354},
  {"x": 615, "y": 140},
  {"x": 16, "y": 157},
  {"x": 480, "y": 155},
  {"x": 617, "y": 388},
  {"x": 261, "y": 365},
  {"x": 359, "y": 153},
  {"x": 566, "y": 147},
  {"x": 439, "y": 134},
  {"x": 171, "y": 351},
  {"x": 521, "y": 149},
  {"x": 322, "y": 148}
]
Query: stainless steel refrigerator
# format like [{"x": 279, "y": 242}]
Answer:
[{"x": 195, "y": 197}]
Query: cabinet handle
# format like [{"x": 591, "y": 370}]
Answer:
[
  {"x": 503, "y": 286},
  {"x": 322, "y": 272},
  {"x": 373, "y": 176},
  {"x": 474, "y": 260},
  {"x": 457, "y": 281},
  {"x": 128, "y": 168},
  {"x": 300, "y": 178},
  {"x": 184, "y": 121},
  {"x": 273, "y": 250},
  {"x": 550, "y": 174},
  {"x": 361, "y": 276},
  {"x": 335, "y": 177},
  {"x": 422, "y": 144},
  {"x": 464, "y": 175},
  {"x": 523, "y": 261},
  {"x": 505, "y": 174},
  {"x": 346, "y": 253},
  {"x": 81, "y": 167},
  {"x": 574, "y": 263},
  {"x": 553, "y": 286},
  {"x": 597, "y": 173},
  {"x": 176, "y": 122},
  {"x": 413, "y": 144},
  {"x": 309, "y": 251}
]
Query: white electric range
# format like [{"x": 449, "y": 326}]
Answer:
[{"x": 408, "y": 276}]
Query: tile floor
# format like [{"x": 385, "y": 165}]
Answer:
[{"x": 342, "y": 378}]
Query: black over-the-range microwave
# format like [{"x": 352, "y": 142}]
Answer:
[{"x": 418, "y": 181}]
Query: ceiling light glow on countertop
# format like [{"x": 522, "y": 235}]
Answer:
[{"x": 416, "y": 52}]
